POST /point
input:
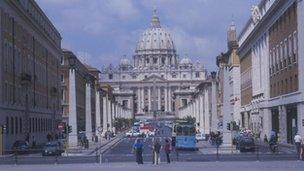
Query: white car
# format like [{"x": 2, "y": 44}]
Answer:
[
  {"x": 132, "y": 134},
  {"x": 200, "y": 137}
]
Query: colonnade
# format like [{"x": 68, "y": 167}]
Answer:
[
  {"x": 106, "y": 110},
  {"x": 156, "y": 96}
]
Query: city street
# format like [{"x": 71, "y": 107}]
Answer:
[{"x": 193, "y": 166}]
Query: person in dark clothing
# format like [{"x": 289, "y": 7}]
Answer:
[
  {"x": 173, "y": 146},
  {"x": 138, "y": 147},
  {"x": 156, "y": 150},
  {"x": 168, "y": 150}
]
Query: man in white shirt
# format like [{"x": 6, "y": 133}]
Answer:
[{"x": 297, "y": 140}]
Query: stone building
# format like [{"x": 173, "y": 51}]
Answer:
[
  {"x": 29, "y": 73},
  {"x": 156, "y": 80},
  {"x": 271, "y": 59}
]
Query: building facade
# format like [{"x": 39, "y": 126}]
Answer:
[
  {"x": 29, "y": 73},
  {"x": 271, "y": 60},
  {"x": 156, "y": 80}
]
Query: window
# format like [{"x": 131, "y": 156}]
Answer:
[
  {"x": 154, "y": 60},
  {"x": 197, "y": 74},
  {"x": 7, "y": 125},
  {"x": 110, "y": 76},
  {"x": 134, "y": 76},
  {"x": 184, "y": 75},
  {"x": 16, "y": 125},
  {"x": 162, "y": 76},
  {"x": 62, "y": 60},
  {"x": 62, "y": 78},
  {"x": 146, "y": 76},
  {"x": 123, "y": 77},
  {"x": 163, "y": 61},
  {"x": 12, "y": 125}
]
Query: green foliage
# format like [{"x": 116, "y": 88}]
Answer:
[
  {"x": 122, "y": 123},
  {"x": 189, "y": 119}
]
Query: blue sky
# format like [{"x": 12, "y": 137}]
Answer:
[{"x": 100, "y": 32}]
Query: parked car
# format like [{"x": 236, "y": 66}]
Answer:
[
  {"x": 200, "y": 137},
  {"x": 53, "y": 148},
  {"x": 20, "y": 147},
  {"x": 245, "y": 142}
]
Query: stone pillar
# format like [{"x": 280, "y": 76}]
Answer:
[
  {"x": 214, "y": 118},
  {"x": 97, "y": 112},
  {"x": 109, "y": 113},
  {"x": 104, "y": 113},
  {"x": 207, "y": 113},
  {"x": 300, "y": 122},
  {"x": 266, "y": 122},
  {"x": 282, "y": 124},
  {"x": 166, "y": 99},
  {"x": 227, "y": 139},
  {"x": 73, "y": 140},
  {"x": 138, "y": 100},
  {"x": 88, "y": 112},
  {"x": 201, "y": 114},
  {"x": 159, "y": 98},
  {"x": 170, "y": 99},
  {"x": 142, "y": 99},
  {"x": 149, "y": 99}
]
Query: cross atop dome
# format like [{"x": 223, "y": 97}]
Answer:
[{"x": 155, "y": 23}]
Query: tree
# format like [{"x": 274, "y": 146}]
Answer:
[{"x": 190, "y": 119}]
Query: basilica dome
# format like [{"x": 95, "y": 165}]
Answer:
[
  {"x": 185, "y": 61},
  {"x": 155, "y": 38},
  {"x": 124, "y": 61}
]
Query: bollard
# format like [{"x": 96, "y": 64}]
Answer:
[
  {"x": 96, "y": 157},
  {"x": 16, "y": 158},
  {"x": 257, "y": 150},
  {"x": 217, "y": 153},
  {"x": 100, "y": 158}
]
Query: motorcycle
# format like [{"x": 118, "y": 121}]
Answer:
[{"x": 273, "y": 146}]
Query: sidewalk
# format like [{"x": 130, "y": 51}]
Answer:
[
  {"x": 193, "y": 166},
  {"x": 100, "y": 147},
  {"x": 206, "y": 148}
]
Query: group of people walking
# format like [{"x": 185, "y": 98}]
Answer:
[{"x": 156, "y": 150}]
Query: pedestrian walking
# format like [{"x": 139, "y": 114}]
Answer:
[
  {"x": 298, "y": 140},
  {"x": 173, "y": 146},
  {"x": 302, "y": 149},
  {"x": 156, "y": 150},
  {"x": 138, "y": 148},
  {"x": 168, "y": 150}
]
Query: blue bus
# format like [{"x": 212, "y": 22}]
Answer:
[{"x": 184, "y": 134}]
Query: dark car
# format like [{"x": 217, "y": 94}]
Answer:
[
  {"x": 52, "y": 149},
  {"x": 245, "y": 143},
  {"x": 20, "y": 147}
]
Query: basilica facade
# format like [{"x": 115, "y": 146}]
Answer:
[{"x": 157, "y": 81}]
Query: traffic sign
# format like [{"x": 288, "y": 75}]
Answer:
[{"x": 60, "y": 126}]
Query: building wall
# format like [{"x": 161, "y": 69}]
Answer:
[
  {"x": 283, "y": 53},
  {"x": 246, "y": 79},
  {"x": 29, "y": 45}
]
